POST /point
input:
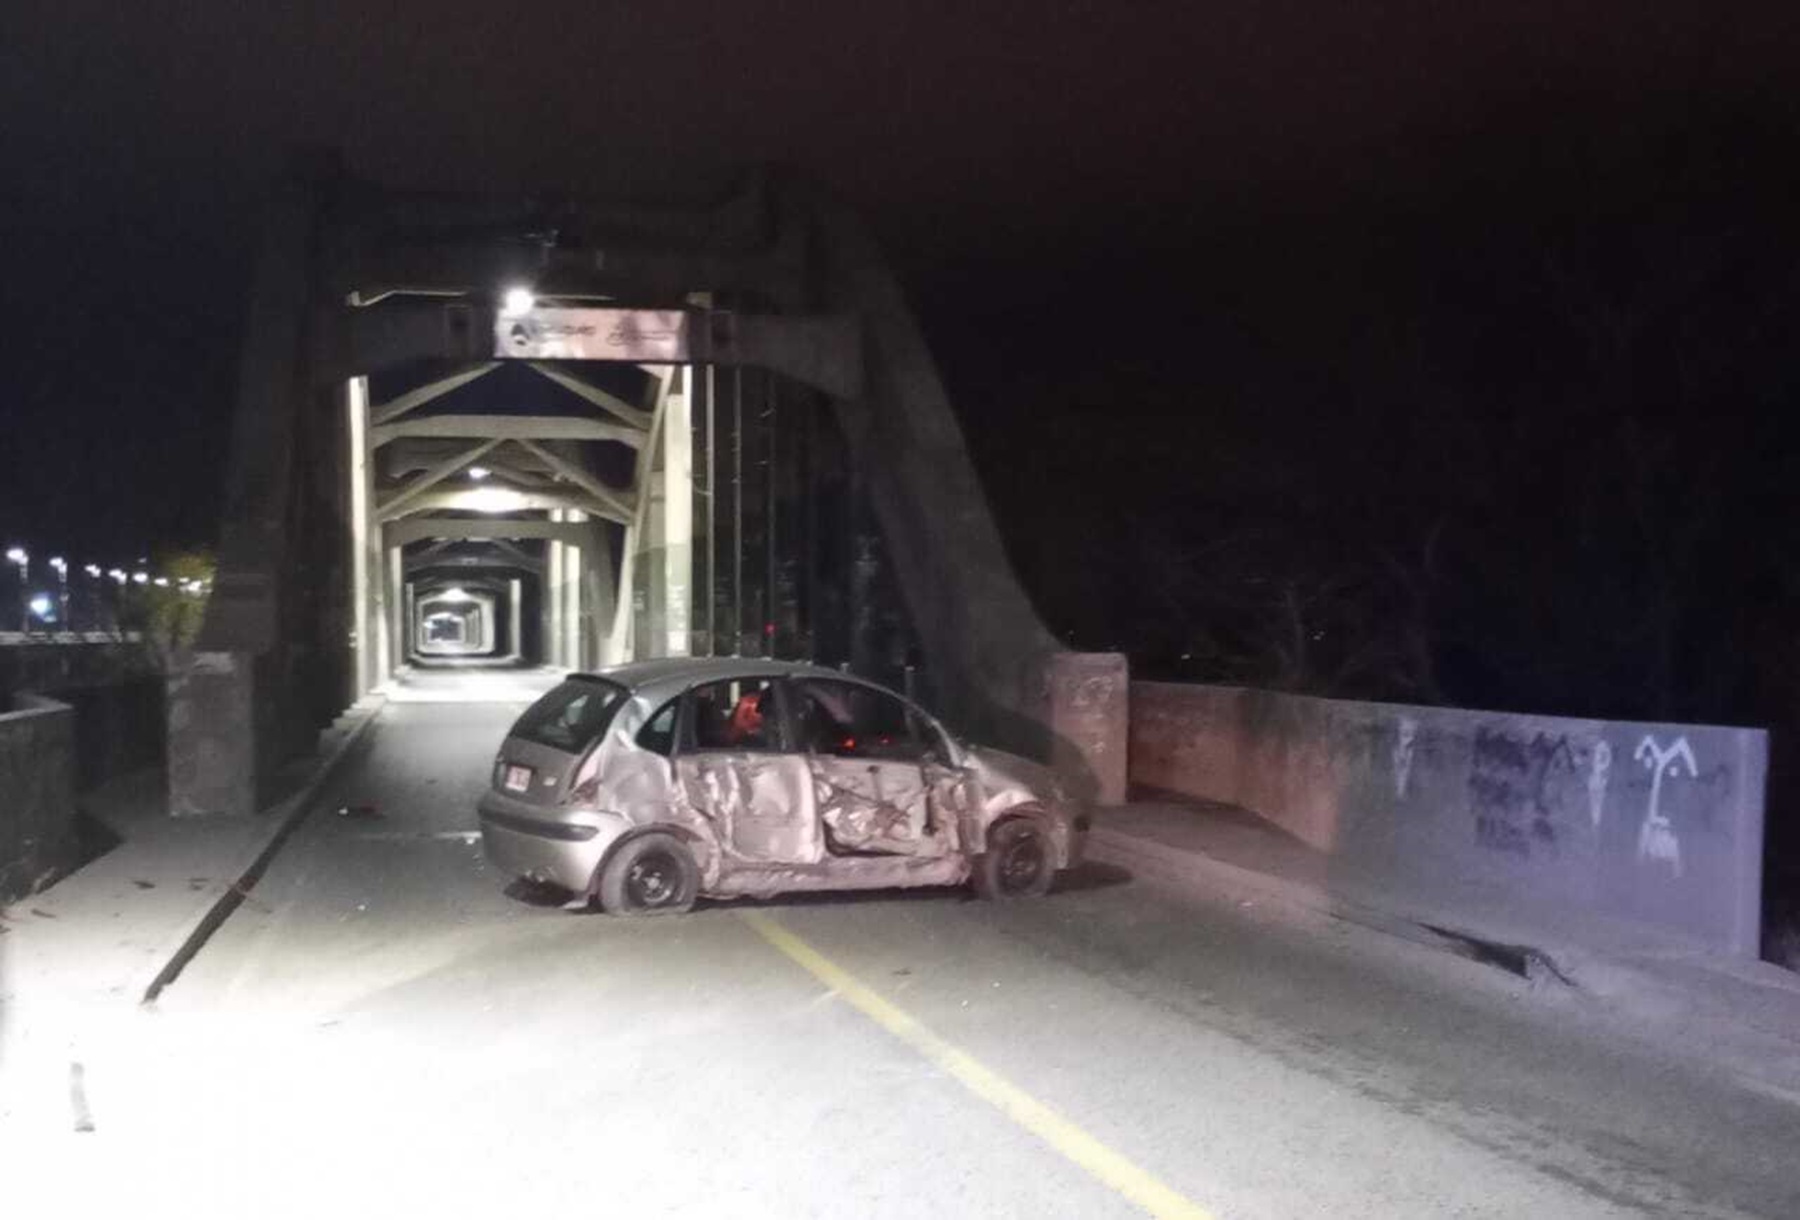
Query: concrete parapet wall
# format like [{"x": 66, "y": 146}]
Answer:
[
  {"x": 114, "y": 683},
  {"x": 67, "y": 660},
  {"x": 213, "y": 735},
  {"x": 1654, "y": 822},
  {"x": 37, "y": 793},
  {"x": 1085, "y": 698}
]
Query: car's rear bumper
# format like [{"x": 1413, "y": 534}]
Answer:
[{"x": 521, "y": 842}]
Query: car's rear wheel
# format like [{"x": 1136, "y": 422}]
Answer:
[
  {"x": 1019, "y": 862},
  {"x": 653, "y": 874}
]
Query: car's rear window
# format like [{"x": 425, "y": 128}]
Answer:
[{"x": 572, "y": 716}]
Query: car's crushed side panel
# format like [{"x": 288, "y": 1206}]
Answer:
[
  {"x": 873, "y": 807},
  {"x": 1009, "y": 783},
  {"x": 640, "y": 786},
  {"x": 759, "y": 806},
  {"x": 842, "y": 873}
]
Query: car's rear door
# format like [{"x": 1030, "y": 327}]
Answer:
[{"x": 737, "y": 768}]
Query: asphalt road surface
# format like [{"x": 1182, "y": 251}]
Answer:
[{"x": 387, "y": 1028}]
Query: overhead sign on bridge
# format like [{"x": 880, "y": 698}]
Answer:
[{"x": 648, "y": 335}]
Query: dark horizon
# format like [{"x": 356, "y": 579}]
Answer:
[{"x": 1305, "y": 261}]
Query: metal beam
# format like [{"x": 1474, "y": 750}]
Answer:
[
  {"x": 617, "y": 406},
  {"x": 393, "y": 409},
  {"x": 479, "y": 499},
  {"x": 620, "y": 639},
  {"x": 390, "y": 508},
  {"x": 825, "y": 352},
  {"x": 509, "y": 428},
  {"x": 582, "y": 479},
  {"x": 417, "y": 529},
  {"x": 439, "y": 555}
]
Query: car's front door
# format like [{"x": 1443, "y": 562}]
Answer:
[
  {"x": 737, "y": 769},
  {"x": 878, "y": 785}
]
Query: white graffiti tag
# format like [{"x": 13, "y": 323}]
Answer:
[
  {"x": 1403, "y": 754},
  {"x": 1656, "y": 840},
  {"x": 1597, "y": 781}
]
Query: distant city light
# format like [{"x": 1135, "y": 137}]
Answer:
[
  {"x": 93, "y": 570},
  {"x": 17, "y": 555},
  {"x": 60, "y": 564},
  {"x": 140, "y": 578},
  {"x": 479, "y": 473},
  {"x": 40, "y": 606},
  {"x": 117, "y": 574},
  {"x": 161, "y": 582}
]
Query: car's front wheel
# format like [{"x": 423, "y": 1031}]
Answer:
[
  {"x": 1020, "y": 861},
  {"x": 653, "y": 874}
]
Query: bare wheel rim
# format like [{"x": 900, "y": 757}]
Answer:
[
  {"x": 653, "y": 880},
  {"x": 1021, "y": 863}
]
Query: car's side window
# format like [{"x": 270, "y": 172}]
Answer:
[
  {"x": 658, "y": 733},
  {"x": 735, "y": 714},
  {"x": 848, "y": 720}
]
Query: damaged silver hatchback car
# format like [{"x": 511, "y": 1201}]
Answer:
[{"x": 649, "y": 785}]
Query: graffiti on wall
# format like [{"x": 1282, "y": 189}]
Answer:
[
  {"x": 1515, "y": 790},
  {"x": 1599, "y": 765},
  {"x": 1656, "y": 838},
  {"x": 1403, "y": 754}
]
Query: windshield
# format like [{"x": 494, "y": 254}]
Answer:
[{"x": 572, "y": 716}]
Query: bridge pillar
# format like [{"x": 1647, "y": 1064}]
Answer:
[
  {"x": 515, "y": 589},
  {"x": 572, "y": 624},
  {"x": 554, "y": 603},
  {"x": 393, "y": 626}
]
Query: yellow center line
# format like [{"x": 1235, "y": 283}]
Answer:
[{"x": 1134, "y": 1183}]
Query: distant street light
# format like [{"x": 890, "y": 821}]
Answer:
[
  {"x": 161, "y": 582},
  {"x": 62, "y": 590},
  {"x": 517, "y": 302},
  {"x": 17, "y": 555},
  {"x": 118, "y": 575},
  {"x": 93, "y": 570},
  {"x": 140, "y": 578},
  {"x": 40, "y": 606}
]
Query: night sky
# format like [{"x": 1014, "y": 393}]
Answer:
[{"x": 1235, "y": 281}]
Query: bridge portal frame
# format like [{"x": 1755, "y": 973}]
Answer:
[{"x": 352, "y": 279}]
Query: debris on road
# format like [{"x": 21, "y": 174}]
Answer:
[
  {"x": 143, "y": 885},
  {"x": 365, "y": 809},
  {"x": 84, "y": 1118}
]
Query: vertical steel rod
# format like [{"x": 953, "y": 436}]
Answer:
[{"x": 737, "y": 511}]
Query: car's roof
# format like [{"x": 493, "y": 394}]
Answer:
[{"x": 678, "y": 673}]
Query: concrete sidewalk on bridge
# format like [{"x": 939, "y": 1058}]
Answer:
[
  {"x": 1743, "y": 1015},
  {"x": 84, "y": 955}
]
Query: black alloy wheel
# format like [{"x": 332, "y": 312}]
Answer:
[
  {"x": 653, "y": 874},
  {"x": 1019, "y": 861}
]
